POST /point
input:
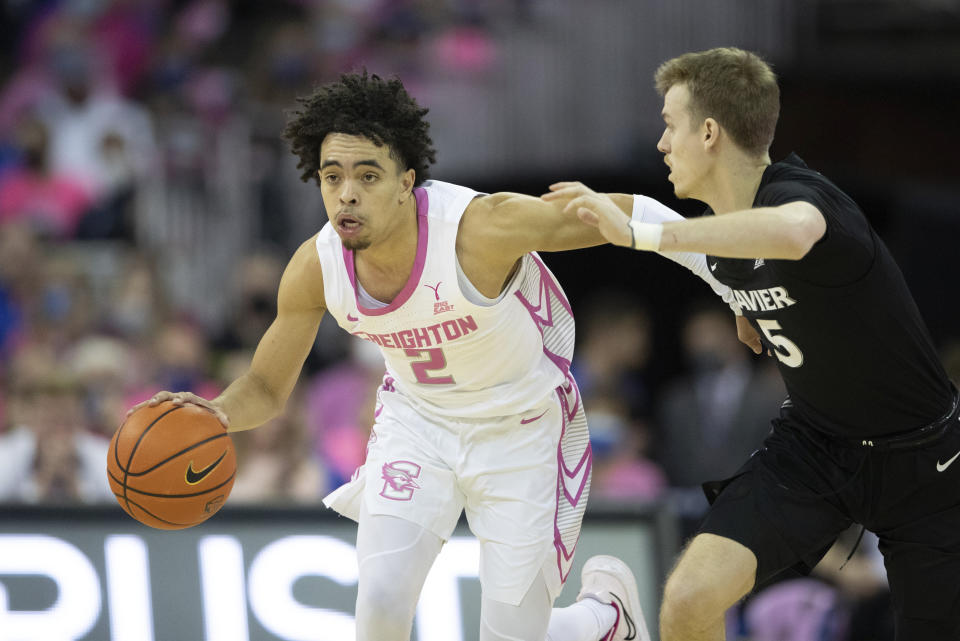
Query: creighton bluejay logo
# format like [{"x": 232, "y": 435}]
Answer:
[{"x": 398, "y": 477}]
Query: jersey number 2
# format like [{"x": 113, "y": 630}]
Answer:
[
  {"x": 786, "y": 350},
  {"x": 435, "y": 361}
]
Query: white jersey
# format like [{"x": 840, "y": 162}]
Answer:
[{"x": 448, "y": 349}]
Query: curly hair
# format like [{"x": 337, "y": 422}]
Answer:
[{"x": 362, "y": 104}]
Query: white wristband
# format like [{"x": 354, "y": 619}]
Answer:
[{"x": 645, "y": 236}]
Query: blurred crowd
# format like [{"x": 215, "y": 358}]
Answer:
[
  {"x": 148, "y": 205},
  {"x": 147, "y": 208}
]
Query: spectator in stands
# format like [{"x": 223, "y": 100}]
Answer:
[
  {"x": 106, "y": 370},
  {"x": 340, "y": 409},
  {"x": 713, "y": 417},
  {"x": 609, "y": 363},
  {"x": 181, "y": 358},
  {"x": 612, "y": 351},
  {"x": 137, "y": 304},
  {"x": 622, "y": 470},
  {"x": 20, "y": 277},
  {"x": 257, "y": 279},
  {"x": 62, "y": 309},
  {"x": 716, "y": 415},
  {"x": 96, "y": 136},
  {"x": 53, "y": 204},
  {"x": 277, "y": 463},
  {"x": 48, "y": 455}
]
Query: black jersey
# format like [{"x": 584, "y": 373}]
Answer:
[{"x": 853, "y": 350}]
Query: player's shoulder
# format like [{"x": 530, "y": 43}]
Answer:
[
  {"x": 447, "y": 200},
  {"x": 446, "y": 190},
  {"x": 792, "y": 177},
  {"x": 302, "y": 281}
]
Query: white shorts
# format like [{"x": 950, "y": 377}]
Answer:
[{"x": 523, "y": 481}]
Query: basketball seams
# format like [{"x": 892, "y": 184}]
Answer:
[
  {"x": 155, "y": 517},
  {"x": 177, "y": 496},
  {"x": 134, "y": 450},
  {"x": 182, "y": 509},
  {"x": 173, "y": 456}
]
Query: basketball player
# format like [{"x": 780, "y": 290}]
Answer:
[
  {"x": 478, "y": 410},
  {"x": 869, "y": 433}
]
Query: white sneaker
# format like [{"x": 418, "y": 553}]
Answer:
[{"x": 608, "y": 580}]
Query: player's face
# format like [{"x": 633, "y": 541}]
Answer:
[
  {"x": 681, "y": 143},
  {"x": 363, "y": 189}
]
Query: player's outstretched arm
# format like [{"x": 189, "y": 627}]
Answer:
[
  {"x": 785, "y": 231},
  {"x": 261, "y": 393},
  {"x": 498, "y": 229},
  {"x": 521, "y": 224},
  {"x": 595, "y": 209}
]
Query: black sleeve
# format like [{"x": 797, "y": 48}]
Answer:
[{"x": 846, "y": 250}]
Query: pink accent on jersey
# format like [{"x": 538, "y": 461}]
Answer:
[
  {"x": 398, "y": 483},
  {"x": 387, "y": 385},
  {"x": 564, "y": 555},
  {"x": 422, "y": 206},
  {"x": 436, "y": 289},
  {"x": 542, "y": 312},
  {"x": 436, "y": 360},
  {"x": 585, "y": 459},
  {"x": 524, "y": 421}
]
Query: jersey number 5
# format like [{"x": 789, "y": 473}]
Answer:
[
  {"x": 786, "y": 350},
  {"x": 435, "y": 361}
]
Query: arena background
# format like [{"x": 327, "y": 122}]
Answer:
[{"x": 145, "y": 256}]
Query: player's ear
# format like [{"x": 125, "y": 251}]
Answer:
[
  {"x": 710, "y": 132},
  {"x": 407, "y": 180}
]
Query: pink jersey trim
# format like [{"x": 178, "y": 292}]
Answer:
[
  {"x": 542, "y": 312},
  {"x": 564, "y": 555},
  {"x": 423, "y": 204}
]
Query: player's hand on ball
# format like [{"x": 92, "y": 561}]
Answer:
[
  {"x": 171, "y": 465},
  {"x": 181, "y": 398},
  {"x": 597, "y": 210}
]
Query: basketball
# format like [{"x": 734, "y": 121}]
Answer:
[{"x": 171, "y": 466}]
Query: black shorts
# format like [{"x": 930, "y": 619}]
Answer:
[{"x": 794, "y": 496}]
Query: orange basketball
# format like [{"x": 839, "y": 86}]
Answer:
[{"x": 171, "y": 466}]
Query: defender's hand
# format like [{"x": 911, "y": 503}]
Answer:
[
  {"x": 596, "y": 210},
  {"x": 181, "y": 398},
  {"x": 748, "y": 335}
]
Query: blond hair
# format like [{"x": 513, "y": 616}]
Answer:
[{"x": 734, "y": 87}]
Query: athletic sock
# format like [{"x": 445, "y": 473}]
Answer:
[{"x": 586, "y": 620}]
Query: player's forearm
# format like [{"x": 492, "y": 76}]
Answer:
[
  {"x": 571, "y": 233},
  {"x": 248, "y": 402},
  {"x": 767, "y": 232}
]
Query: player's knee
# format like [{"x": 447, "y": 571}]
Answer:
[
  {"x": 692, "y": 604},
  {"x": 683, "y": 610},
  {"x": 385, "y": 606},
  {"x": 713, "y": 574}
]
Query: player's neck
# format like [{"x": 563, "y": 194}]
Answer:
[
  {"x": 736, "y": 183},
  {"x": 392, "y": 258}
]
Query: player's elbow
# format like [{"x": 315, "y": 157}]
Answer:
[
  {"x": 270, "y": 399},
  {"x": 806, "y": 227}
]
